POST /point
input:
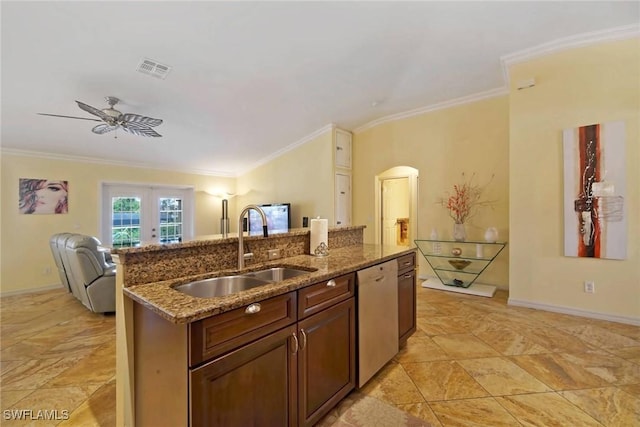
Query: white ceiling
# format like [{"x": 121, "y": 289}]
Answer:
[{"x": 250, "y": 79}]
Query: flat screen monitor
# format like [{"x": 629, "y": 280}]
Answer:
[{"x": 278, "y": 218}]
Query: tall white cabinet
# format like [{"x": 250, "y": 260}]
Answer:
[{"x": 342, "y": 140}]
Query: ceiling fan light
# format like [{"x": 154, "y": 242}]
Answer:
[
  {"x": 112, "y": 113},
  {"x": 132, "y": 123}
]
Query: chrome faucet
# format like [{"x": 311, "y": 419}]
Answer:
[{"x": 241, "y": 254}]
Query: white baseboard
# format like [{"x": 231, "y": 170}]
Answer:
[
  {"x": 552, "y": 308},
  {"x": 31, "y": 290},
  {"x": 575, "y": 311}
]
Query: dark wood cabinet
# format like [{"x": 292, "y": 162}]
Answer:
[
  {"x": 283, "y": 361},
  {"x": 326, "y": 361},
  {"x": 406, "y": 297},
  {"x": 253, "y": 385},
  {"x": 293, "y": 376}
]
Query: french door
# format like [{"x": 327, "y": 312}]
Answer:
[{"x": 134, "y": 215}]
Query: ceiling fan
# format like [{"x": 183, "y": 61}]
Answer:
[{"x": 113, "y": 119}]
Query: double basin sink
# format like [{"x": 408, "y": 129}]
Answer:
[{"x": 226, "y": 285}]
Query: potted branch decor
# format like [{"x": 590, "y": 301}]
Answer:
[{"x": 463, "y": 204}]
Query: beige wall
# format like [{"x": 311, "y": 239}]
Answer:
[
  {"x": 25, "y": 253},
  {"x": 302, "y": 176},
  {"x": 517, "y": 138},
  {"x": 470, "y": 138},
  {"x": 595, "y": 84}
]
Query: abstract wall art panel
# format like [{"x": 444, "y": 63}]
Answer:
[{"x": 595, "y": 219}]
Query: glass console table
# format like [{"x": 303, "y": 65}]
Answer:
[{"x": 458, "y": 264}]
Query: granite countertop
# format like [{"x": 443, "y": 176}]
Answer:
[{"x": 180, "y": 308}]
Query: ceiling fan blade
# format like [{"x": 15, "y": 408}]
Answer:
[
  {"x": 69, "y": 117},
  {"x": 139, "y": 129},
  {"x": 136, "y": 118},
  {"x": 103, "y": 128},
  {"x": 94, "y": 111}
]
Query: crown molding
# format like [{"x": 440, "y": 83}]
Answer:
[
  {"x": 55, "y": 156},
  {"x": 66, "y": 157},
  {"x": 500, "y": 91},
  {"x": 572, "y": 42},
  {"x": 306, "y": 139}
]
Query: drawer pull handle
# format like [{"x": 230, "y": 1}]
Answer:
[
  {"x": 408, "y": 263},
  {"x": 331, "y": 283},
  {"x": 408, "y": 276},
  {"x": 252, "y": 309},
  {"x": 295, "y": 341},
  {"x": 304, "y": 339}
]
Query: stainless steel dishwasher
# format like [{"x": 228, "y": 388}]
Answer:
[{"x": 377, "y": 289}]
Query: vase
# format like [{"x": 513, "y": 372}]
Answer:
[
  {"x": 459, "y": 233},
  {"x": 491, "y": 235}
]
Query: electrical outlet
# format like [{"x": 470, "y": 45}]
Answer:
[
  {"x": 273, "y": 253},
  {"x": 589, "y": 286}
]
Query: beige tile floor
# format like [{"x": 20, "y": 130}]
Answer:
[
  {"x": 56, "y": 356},
  {"x": 474, "y": 361}
]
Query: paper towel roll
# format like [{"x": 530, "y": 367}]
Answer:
[{"x": 319, "y": 235}]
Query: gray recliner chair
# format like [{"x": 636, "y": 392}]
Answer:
[
  {"x": 89, "y": 277},
  {"x": 57, "y": 242}
]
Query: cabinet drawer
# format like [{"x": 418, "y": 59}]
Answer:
[
  {"x": 219, "y": 334},
  {"x": 315, "y": 298},
  {"x": 406, "y": 262}
]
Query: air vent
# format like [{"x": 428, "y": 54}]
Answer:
[{"x": 153, "y": 68}]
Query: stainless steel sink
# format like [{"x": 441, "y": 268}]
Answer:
[
  {"x": 226, "y": 285},
  {"x": 277, "y": 274},
  {"x": 220, "y": 286}
]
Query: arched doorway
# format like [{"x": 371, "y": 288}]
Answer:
[{"x": 396, "y": 219}]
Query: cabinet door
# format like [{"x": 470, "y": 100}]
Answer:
[
  {"x": 406, "y": 305},
  {"x": 343, "y": 199},
  {"x": 255, "y": 382},
  {"x": 343, "y": 149},
  {"x": 326, "y": 361}
]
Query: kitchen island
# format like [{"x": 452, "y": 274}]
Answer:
[{"x": 168, "y": 340}]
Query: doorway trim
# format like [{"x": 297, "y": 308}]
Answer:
[{"x": 398, "y": 172}]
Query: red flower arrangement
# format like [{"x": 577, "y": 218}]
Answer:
[{"x": 465, "y": 200}]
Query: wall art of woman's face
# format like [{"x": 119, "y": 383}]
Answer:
[{"x": 43, "y": 196}]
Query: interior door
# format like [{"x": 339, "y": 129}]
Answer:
[
  {"x": 135, "y": 215},
  {"x": 395, "y": 206}
]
